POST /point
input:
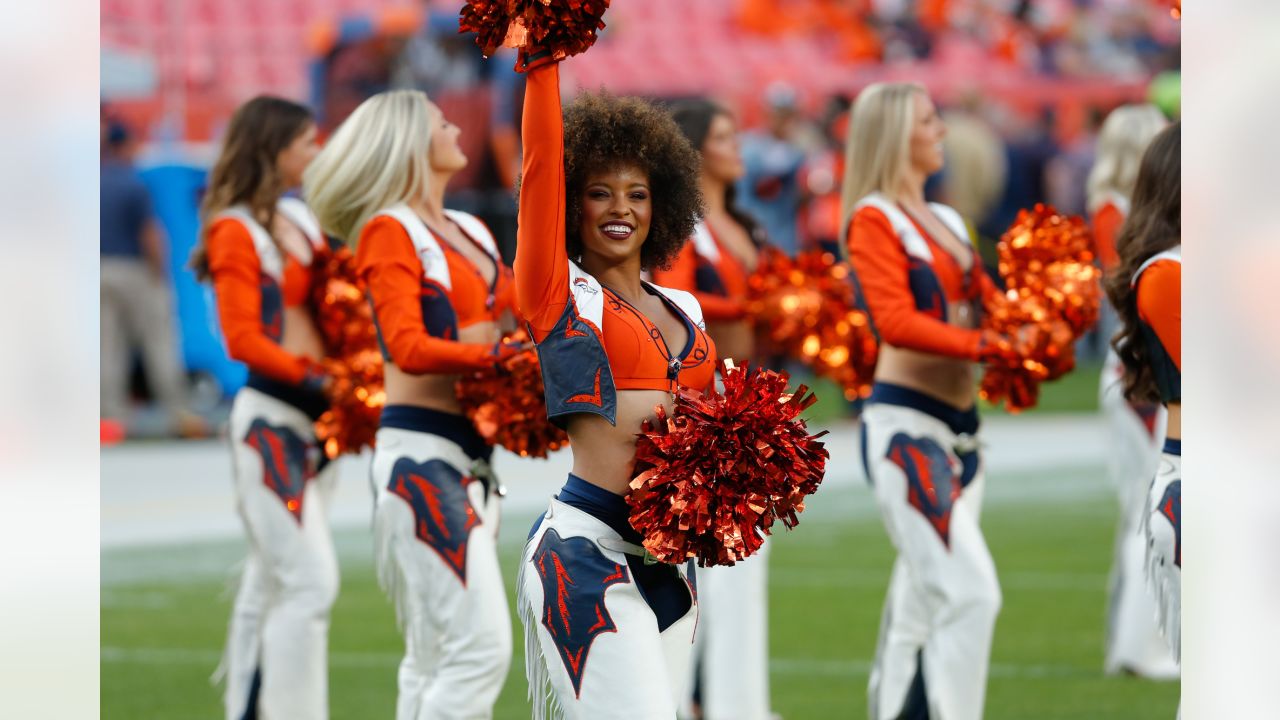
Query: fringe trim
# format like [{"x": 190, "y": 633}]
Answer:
[
  {"x": 1164, "y": 580},
  {"x": 390, "y": 576},
  {"x": 230, "y": 591},
  {"x": 546, "y": 706}
]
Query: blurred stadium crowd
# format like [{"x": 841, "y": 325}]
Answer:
[{"x": 1024, "y": 86}]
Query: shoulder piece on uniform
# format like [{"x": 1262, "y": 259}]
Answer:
[
  {"x": 912, "y": 241},
  {"x": 1174, "y": 254},
  {"x": 269, "y": 257},
  {"x": 435, "y": 266}
]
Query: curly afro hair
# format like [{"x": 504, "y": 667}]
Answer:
[{"x": 603, "y": 132}]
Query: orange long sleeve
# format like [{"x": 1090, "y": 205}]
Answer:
[
  {"x": 1106, "y": 228},
  {"x": 542, "y": 263},
  {"x": 1160, "y": 305},
  {"x": 237, "y": 285},
  {"x": 881, "y": 263},
  {"x": 386, "y": 261},
  {"x": 683, "y": 276}
]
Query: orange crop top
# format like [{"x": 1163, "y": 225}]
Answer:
[
  {"x": 592, "y": 342},
  {"x": 1107, "y": 222},
  {"x": 418, "y": 312},
  {"x": 251, "y": 300},
  {"x": 1159, "y": 289},
  {"x": 719, "y": 283},
  {"x": 908, "y": 293}
]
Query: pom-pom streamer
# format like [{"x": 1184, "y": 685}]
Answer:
[
  {"x": 804, "y": 308},
  {"x": 352, "y": 358},
  {"x": 712, "y": 476},
  {"x": 507, "y": 404},
  {"x": 1052, "y": 297},
  {"x": 562, "y": 27}
]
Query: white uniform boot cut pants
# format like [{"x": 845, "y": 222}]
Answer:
[
  {"x": 277, "y": 646},
  {"x": 593, "y": 648},
  {"x": 1164, "y": 545},
  {"x": 731, "y": 650},
  {"x": 939, "y": 616},
  {"x": 435, "y": 537},
  {"x": 1133, "y": 642}
]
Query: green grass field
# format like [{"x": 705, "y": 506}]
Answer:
[{"x": 164, "y": 613}]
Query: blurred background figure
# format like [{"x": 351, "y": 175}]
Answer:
[
  {"x": 1135, "y": 429},
  {"x": 773, "y": 156},
  {"x": 136, "y": 307}
]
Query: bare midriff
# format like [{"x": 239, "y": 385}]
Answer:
[
  {"x": 603, "y": 454},
  {"x": 435, "y": 391},
  {"x": 950, "y": 380}
]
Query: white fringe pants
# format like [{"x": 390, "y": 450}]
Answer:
[
  {"x": 435, "y": 539},
  {"x": 1164, "y": 548},
  {"x": 276, "y": 660},
  {"x": 593, "y": 650},
  {"x": 939, "y": 616}
]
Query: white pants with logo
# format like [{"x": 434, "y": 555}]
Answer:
[
  {"x": 592, "y": 646},
  {"x": 1164, "y": 548},
  {"x": 435, "y": 539},
  {"x": 277, "y": 642},
  {"x": 939, "y": 616},
  {"x": 731, "y": 650},
  {"x": 1133, "y": 454}
]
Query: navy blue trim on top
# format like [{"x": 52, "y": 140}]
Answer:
[
  {"x": 961, "y": 422},
  {"x": 1173, "y": 446},
  {"x": 457, "y": 429},
  {"x": 312, "y": 403},
  {"x": 608, "y": 508}
]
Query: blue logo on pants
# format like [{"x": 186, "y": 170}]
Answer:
[
  {"x": 443, "y": 516},
  {"x": 933, "y": 482}
]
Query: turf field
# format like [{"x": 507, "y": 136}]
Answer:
[{"x": 164, "y": 611}]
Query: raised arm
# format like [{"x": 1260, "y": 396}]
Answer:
[
  {"x": 386, "y": 261},
  {"x": 683, "y": 275},
  {"x": 881, "y": 263},
  {"x": 542, "y": 263},
  {"x": 237, "y": 286}
]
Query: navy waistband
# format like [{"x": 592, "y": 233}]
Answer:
[
  {"x": 961, "y": 422},
  {"x": 457, "y": 429},
  {"x": 608, "y": 508},
  {"x": 311, "y": 402},
  {"x": 1173, "y": 446}
]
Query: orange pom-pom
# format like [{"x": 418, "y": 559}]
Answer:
[
  {"x": 1053, "y": 297},
  {"x": 562, "y": 27},
  {"x": 804, "y": 308},
  {"x": 352, "y": 357},
  {"x": 507, "y": 404},
  {"x": 714, "y": 474}
]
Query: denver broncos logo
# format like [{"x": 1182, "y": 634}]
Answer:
[
  {"x": 575, "y": 576},
  {"x": 1171, "y": 508},
  {"x": 442, "y": 513},
  {"x": 285, "y": 466},
  {"x": 933, "y": 482}
]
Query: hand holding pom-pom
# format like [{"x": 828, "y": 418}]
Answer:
[
  {"x": 713, "y": 476},
  {"x": 507, "y": 403}
]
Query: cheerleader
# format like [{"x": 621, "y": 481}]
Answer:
[
  {"x": 924, "y": 286},
  {"x": 441, "y": 297},
  {"x": 1133, "y": 643},
  {"x": 1146, "y": 290},
  {"x": 607, "y": 192},
  {"x": 731, "y": 672},
  {"x": 257, "y": 247}
]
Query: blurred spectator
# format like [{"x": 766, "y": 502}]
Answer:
[
  {"x": 136, "y": 310},
  {"x": 976, "y": 166},
  {"x": 1067, "y": 172},
  {"x": 770, "y": 190}
]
